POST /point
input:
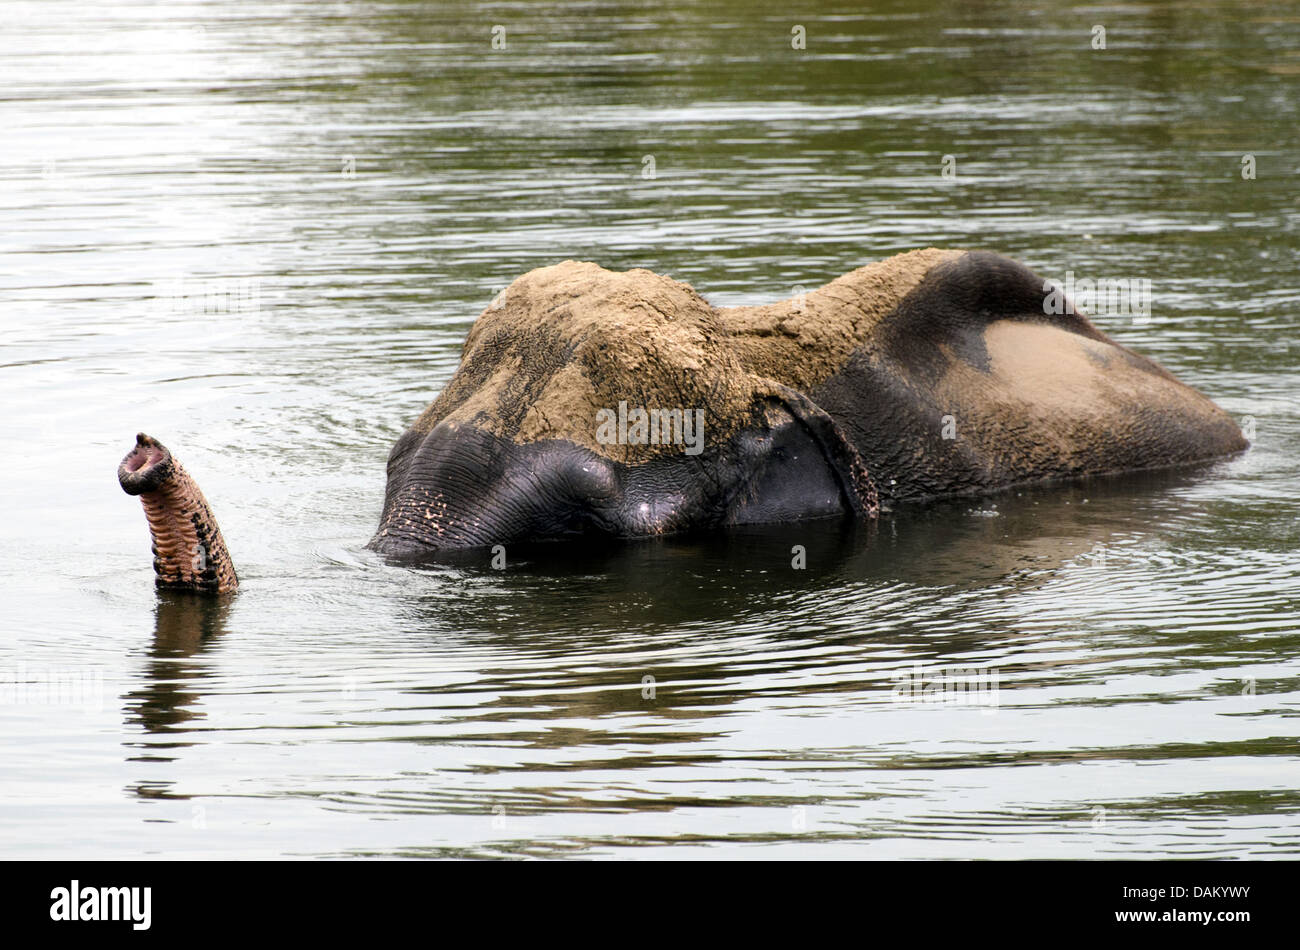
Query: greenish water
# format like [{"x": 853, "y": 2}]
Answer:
[{"x": 260, "y": 233}]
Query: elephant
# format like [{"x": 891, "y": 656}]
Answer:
[{"x": 602, "y": 405}]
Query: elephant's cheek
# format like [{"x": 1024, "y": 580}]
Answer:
[{"x": 466, "y": 488}]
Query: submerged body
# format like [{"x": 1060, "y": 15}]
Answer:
[{"x": 589, "y": 402}]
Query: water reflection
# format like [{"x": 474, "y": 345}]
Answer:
[
  {"x": 656, "y": 586},
  {"x": 185, "y": 627}
]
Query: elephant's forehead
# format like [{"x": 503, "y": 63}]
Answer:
[
  {"x": 615, "y": 325},
  {"x": 666, "y": 372},
  {"x": 563, "y": 343},
  {"x": 582, "y": 301}
]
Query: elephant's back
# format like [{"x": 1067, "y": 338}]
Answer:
[
  {"x": 805, "y": 339},
  {"x": 969, "y": 386}
]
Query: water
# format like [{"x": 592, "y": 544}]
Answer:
[{"x": 260, "y": 233}]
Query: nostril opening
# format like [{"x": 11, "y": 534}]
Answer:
[
  {"x": 146, "y": 467},
  {"x": 142, "y": 458}
]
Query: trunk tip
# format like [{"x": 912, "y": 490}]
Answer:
[{"x": 146, "y": 467}]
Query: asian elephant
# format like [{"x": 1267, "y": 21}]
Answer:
[{"x": 590, "y": 403}]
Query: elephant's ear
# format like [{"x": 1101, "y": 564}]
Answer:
[{"x": 796, "y": 463}]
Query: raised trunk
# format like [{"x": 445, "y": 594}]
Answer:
[{"x": 189, "y": 551}]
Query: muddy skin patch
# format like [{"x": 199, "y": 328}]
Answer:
[
  {"x": 803, "y": 341},
  {"x": 566, "y": 342},
  {"x": 1049, "y": 407}
]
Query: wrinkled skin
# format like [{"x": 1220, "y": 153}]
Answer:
[
  {"x": 931, "y": 374},
  {"x": 189, "y": 551}
]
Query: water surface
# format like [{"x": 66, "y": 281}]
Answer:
[{"x": 260, "y": 233}]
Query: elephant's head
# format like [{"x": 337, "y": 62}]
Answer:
[{"x": 589, "y": 402}]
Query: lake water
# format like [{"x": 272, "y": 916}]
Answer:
[{"x": 260, "y": 232}]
